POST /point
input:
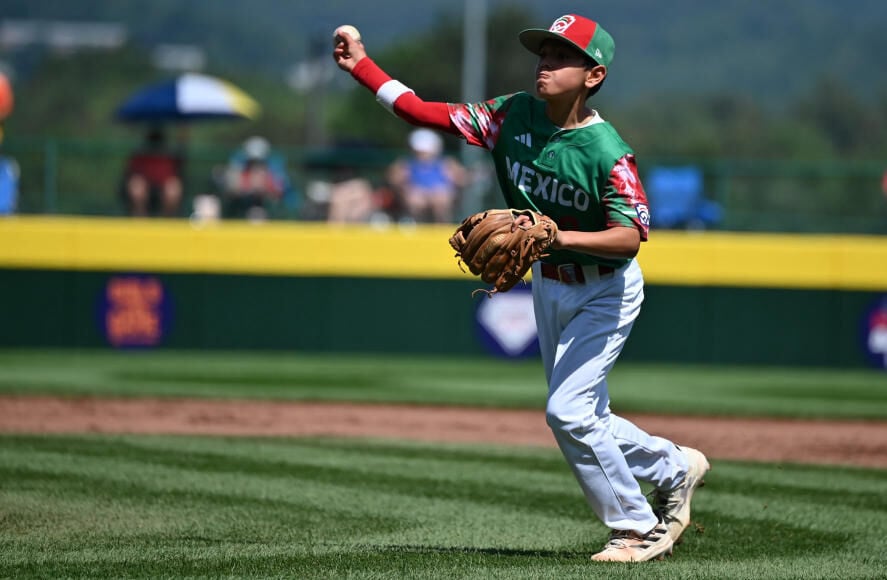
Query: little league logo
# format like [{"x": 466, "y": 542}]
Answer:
[
  {"x": 506, "y": 325},
  {"x": 643, "y": 213},
  {"x": 562, "y": 24}
]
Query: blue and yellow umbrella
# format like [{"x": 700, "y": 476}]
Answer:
[{"x": 188, "y": 97}]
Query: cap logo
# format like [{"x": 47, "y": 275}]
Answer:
[
  {"x": 598, "y": 54},
  {"x": 562, "y": 24}
]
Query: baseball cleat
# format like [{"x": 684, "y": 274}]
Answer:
[
  {"x": 673, "y": 505},
  {"x": 629, "y": 546}
]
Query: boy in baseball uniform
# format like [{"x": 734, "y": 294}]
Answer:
[{"x": 555, "y": 155}]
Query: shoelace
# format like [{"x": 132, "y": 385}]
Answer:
[{"x": 619, "y": 538}]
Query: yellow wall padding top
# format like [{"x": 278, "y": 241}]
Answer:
[{"x": 318, "y": 249}]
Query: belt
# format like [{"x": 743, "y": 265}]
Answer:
[{"x": 573, "y": 273}]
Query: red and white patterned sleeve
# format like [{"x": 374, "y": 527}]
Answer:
[
  {"x": 624, "y": 198},
  {"x": 480, "y": 123}
]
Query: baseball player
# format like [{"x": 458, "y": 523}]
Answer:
[{"x": 556, "y": 156}]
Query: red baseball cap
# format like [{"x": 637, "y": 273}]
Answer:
[{"x": 583, "y": 33}]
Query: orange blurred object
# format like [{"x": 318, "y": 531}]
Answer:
[{"x": 6, "y": 99}]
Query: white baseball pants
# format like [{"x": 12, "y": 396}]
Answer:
[{"x": 582, "y": 329}]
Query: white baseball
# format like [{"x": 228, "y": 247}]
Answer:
[{"x": 347, "y": 29}]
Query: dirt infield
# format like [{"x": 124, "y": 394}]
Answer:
[{"x": 821, "y": 442}]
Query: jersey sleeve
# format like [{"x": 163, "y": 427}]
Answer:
[
  {"x": 406, "y": 105},
  {"x": 624, "y": 199},
  {"x": 480, "y": 123}
]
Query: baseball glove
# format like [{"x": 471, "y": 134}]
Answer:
[{"x": 500, "y": 251}]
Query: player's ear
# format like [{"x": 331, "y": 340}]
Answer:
[{"x": 595, "y": 75}]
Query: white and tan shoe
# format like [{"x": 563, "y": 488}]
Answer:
[
  {"x": 673, "y": 505},
  {"x": 629, "y": 546}
]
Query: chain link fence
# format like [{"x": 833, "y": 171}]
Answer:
[{"x": 84, "y": 177}]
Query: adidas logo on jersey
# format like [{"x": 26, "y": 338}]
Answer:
[{"x": 526, "y": 139}]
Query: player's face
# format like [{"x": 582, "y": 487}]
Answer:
[{"x": 562, "y": 70}]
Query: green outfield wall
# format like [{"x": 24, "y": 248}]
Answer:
[{"x": 718, "y": 298}]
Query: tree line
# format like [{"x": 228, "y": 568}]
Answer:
[{"x": 73, "y": 96}]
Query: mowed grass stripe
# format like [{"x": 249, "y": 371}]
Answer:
[
  {"x": 655, "y": 388},
  {"x": 415, "y": 478},
  {"x": 163, "y": 506}
]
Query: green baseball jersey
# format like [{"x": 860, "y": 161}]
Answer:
[{"x": 585, "y": 178}]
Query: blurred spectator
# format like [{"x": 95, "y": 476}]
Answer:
[
  {"x": 152, "y": 181},
  {"x": 351, "y": 197},
  {"x": 427, "y": 181},
  {"x": 342, "y": 187},
  {"x": 255, "y": 181},
  {"x": 9, "y": 176},
  {"x": 9, "y": 169}
]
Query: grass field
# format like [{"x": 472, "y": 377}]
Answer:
[
  {"x": 729, "y": 391},
  {"x": 91, "y": 506}
]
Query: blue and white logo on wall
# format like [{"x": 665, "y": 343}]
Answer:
[
  {"x": 874, "y": 333},
  {"x": 506, "y": 323}
]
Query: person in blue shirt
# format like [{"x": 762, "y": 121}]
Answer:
[
  {"x": 428, "y": 182},
  {"x": 9, "y": 175}
]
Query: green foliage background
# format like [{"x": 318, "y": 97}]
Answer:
[
  {"x": 797, "y": 82},
  {"x": 724, "y": 79}
]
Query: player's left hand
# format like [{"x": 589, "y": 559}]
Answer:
[
  {"x": 522, "y": 221},
  {"x": 500, "y": 245}
]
